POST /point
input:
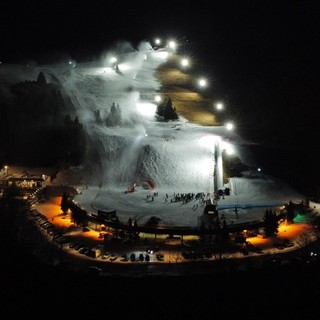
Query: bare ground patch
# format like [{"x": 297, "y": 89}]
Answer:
[{"x": 180, "y": 87}]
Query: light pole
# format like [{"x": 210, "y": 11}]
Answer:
[
  {"x": 219, "y": 106},
  {"x": 6, "y": 170},
  {"x": 218, "y": 167}
]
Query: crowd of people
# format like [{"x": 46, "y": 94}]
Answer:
[{"x": 201, "y": 198}]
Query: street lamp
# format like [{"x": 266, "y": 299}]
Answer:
[
  {"x": 184, "y": 62},
  {"x": 202, "y": 83},
  {"x": 157, "y": 41},
  {"x": 172, "y": 45},
  {"x": 219, "y": 106},
  {"x": 113, "y": 60},
  {"x": 6, "y": 170},
  {"x": 229, "y": 126},
  {"x": 157, "y": 98}
]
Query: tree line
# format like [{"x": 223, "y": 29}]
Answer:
[
  {"x": 38, "y": 126},
  {"x": 165, "y": 110}
]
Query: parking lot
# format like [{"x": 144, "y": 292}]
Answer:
[{"x": 91, "y": 247}]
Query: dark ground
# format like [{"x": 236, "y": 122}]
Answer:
[{"x": 34, "y": 289}]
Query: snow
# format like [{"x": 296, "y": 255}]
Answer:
[
  {"x": 177, "y": 156},
  {"x": 253, "y": 196}
]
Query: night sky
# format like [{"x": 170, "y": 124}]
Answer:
[
  {"x": 261, "y": 57},
  {"x": 243, "y": 34}
]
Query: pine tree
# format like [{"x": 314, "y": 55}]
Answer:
[
  {"x": 290, "y": 212},
  {"x": 271, "y": 223},
  {"x": 41, "y": 78},
  {"x": 64, "y": 203},
  {"x": 97, "y": 116},
  {"x": 160, "y": 109},
  {"x": 169, "y": 111},
  {"x": 118, "y": 115},
  {"x": 114, "y": 117}
]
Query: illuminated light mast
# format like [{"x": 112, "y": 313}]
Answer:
[{"x": 218, "y": 170}]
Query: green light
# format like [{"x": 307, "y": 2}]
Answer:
[{"x": 300, "y": 218}]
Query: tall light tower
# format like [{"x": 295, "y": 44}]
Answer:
[{"x": 218, "y": 166}]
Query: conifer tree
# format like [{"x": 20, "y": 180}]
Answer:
[
  {"x": 161, "y": 108},
  {"x": 169, "y": 111},
  {"x": 118, "y": 115},
  {"x": 64, "y": 203},
  {"x": 290, "y": 212},
  {"x": 271, "y": 223},
  {"x": 41, "y": 78},
  {"x": 114, "y": 117}
]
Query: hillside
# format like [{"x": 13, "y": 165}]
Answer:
[{"x": 187, "y": 98}]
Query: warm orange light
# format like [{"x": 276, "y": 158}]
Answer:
[{"x": 52, "y": 210}]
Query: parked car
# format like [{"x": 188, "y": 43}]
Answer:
[
  {"x": 160, "y": 256},
  {"x": 132, "y": 257},
  {"x": 73, "y": 244},
  {"x": 78, "y": 246},
  {"x": 61, "y": 240},
  {"x": 278, "y": 245},
  {"x": 113, "y": 257},
  {"x": 84, "y": 250},
  {"x": 124, "y": 257},
  {"x": 141, "y": 257}
]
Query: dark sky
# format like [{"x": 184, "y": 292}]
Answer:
[
  {"x": 243, "y": 29},
  {"x": 259, "y": 38},
  {"x": 262, "y": 56},
  {"x": 238, "y": 42}
]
